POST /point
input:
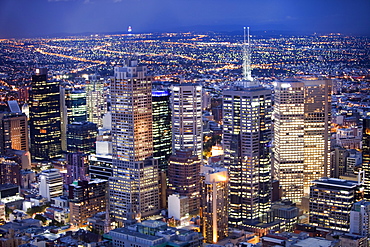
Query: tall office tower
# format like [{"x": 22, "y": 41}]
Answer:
[
  {"x": 96, "y": 100},
  {"x": 162, "y": 133},
  {"x": 366, "y": 156},
  {"x": 134, "y": 185},
  {"x": 302, "y": 135},
  {"x": 187, "y": 125},
  {"x": 331, "y": 201},
  {"x": 214, "y": 204},
  {"x": 81, "y": 137},
  {"x": 162, "y": 138},
  {"x": 45, "y": 128},
  {"x": 184, "y": 177},
  {"x": 51, "y": 183},
  {"x": 73, "y": 109},
  {"x": 13, "y": 129},
  {"x": 87, "y": 198},
  {"x": 246, "y": 139}
]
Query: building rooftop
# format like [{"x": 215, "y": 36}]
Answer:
[
  {"x": 136, "y": 234},
  {"x": 335, "y": 182}
]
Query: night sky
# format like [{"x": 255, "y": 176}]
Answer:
[{"x": 30, "y": 18}]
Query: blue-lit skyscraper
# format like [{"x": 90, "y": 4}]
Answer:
[{"x": 162, "y": 133}]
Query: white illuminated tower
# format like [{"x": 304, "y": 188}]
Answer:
[
  {"x": 134, "y": 185},
  {"x": 301, "y": 134},
  {"x": 247, "y": 137},
  {"x": 187, "y": 125}
]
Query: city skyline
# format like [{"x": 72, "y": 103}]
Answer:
[{"x": 20, "y": 18}]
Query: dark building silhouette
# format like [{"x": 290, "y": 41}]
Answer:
[
  {"x": 45, "y": 129},
  {"x": 162, "y": 134},
  {"x": 81, "y": 137}
]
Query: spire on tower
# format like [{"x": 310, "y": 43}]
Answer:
[{"x": 247, "y": 69}]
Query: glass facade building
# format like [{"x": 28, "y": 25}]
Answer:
[
  {"x": 45, "y": 123},
  {"x": 247, "y": 139}
]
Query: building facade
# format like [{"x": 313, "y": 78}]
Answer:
[
  {"x": 87, "y": 198},
  {"x": 184, "y": 177},
  {"x": 331, "y": 201},
  {"x": 366, "y": 155},
  {"x": 45, "y": 119},
  {"x": 134, "y": 185},
  {"x": 301, "y": 134},
  {"x": 81, "y": 137},
  {"x": 96, "y": 100},
  {"x": 214, "y": 205},
  {"x": 187, "y": 125},
  {"x": 247, "y": 147},
  {"x": 51, "y": 184},
  {"x": 162, "y": 132}
]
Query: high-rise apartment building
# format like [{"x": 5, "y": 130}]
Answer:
[
  {"x": 134, "y": 185},
  {"x": 247, "y": 139},
  {"x": 45, "y": 125},
  {"x": 10, "y": 172},
  {"x": 187, "y": 125},
  {"x": 301, "y": 134},
  {"x": 366, "y": 155},
  {"x": 77, "y": 168}
]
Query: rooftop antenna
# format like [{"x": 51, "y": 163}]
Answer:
[{"x": 247, "y": 69}]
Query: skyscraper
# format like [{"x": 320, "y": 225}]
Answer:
[
  {"x": 214, "y": 204},
  {"x": 45, "y": 129},
  {"x": 366, "y": 156},
  {"x": 187, "y": 125},
  {"x": 72, "y": 108},
  {"x": 81, "y": 137},
  {"x": 187, "y": 143},
  {"x": 13, "y": 129},
  {"x": 162, "y": 133},
  {"x": 96, "y": 100},
  {"x": 134, "y": 185},
  {"x": 184, "y": 177},
  {"x": 247, "y": 138},
  {"x": 302, "y": 135}
]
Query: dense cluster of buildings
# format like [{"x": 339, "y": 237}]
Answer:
[{"x": 139, "y": 162}]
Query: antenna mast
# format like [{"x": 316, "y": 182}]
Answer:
[{"x": 247, "y": 69}]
